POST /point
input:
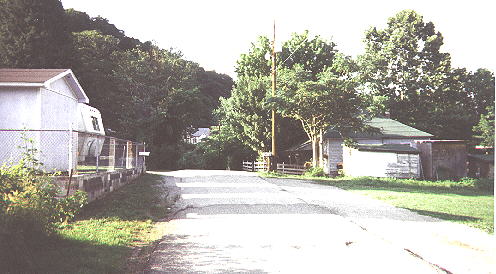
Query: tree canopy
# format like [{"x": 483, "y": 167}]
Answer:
[
  {"x": 405, "y": 73},
  {"x": 143, "y": 92},
  {"x": 33, "y": 34},
  {"x": 314, "y": 85},
  {"x": 154, "y": 95}
]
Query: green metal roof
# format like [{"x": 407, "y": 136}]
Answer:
[
  {"x": 400, "y": 148},
  {"x": 387, "y": 128}
]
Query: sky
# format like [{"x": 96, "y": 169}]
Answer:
[{"x": 215, "y": 33}]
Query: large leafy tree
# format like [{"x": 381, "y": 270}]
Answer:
[
  {"x": 247, "y": 114},
  {"x": 78, "y": 21},
  {"x": 403, "y": 63},
  {"x": 313, "y": 54},
  {"x": 480, "y": 87},
  {"x": 406, "y": 74},
  {"x": 255, "y": 63},
  {"x": 213, "y": 86},
  {"x": 161, "y": 99},
  {"x": 448, "y": 109},
  {"x": 485, "y": 128},
  {"x": 328, "y": 99},
  {"x": 248, "y": 106},
  {"x": 93, "y": 63},
  {"x": 33, "y": 34},
  {"x": 247, "y": 111}
]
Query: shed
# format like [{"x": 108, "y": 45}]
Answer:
[
  {"x": 387, "y": 160},
  {"x": 387, "y": 131},
  {"x": 298, "y": 154},
  {"x": 443, "y": 159},
  {"x": 45, "y": 102}
]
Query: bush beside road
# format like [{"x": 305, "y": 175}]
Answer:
[{"x": 106, "y": 233}]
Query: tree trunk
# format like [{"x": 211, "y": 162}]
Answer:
[
  {"x": 315, "y": 151},
  {"x": 321, "y": 150}
]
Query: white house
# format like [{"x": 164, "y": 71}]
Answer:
[
  {"x": 389, "y": 152},
  {"x": 199, "y": 135},
  {"x": 46, "y": 102}
]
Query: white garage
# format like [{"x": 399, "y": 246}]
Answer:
[{"x": 42, "y": 104}]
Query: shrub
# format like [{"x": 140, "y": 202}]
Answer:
[
  {"x": 29, "y": 208},
  {"x": 315, "y": 172}
]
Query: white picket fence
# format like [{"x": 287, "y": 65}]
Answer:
[
  {"x": 254, "y": 166},
  {"x": 281, "y": 168}
]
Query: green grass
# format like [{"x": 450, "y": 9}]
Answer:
[
  {"x": 468, "y": 201},
  {"x": 104, "y": 234}
]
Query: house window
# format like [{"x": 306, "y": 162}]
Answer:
[{"x": 94, "y": 120}]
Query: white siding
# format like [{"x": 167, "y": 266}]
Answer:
[
  {"x": 20, "y": 108},
  {"x": 335, "y": 152},
  {"x": 59, "y": 111},
  {"x": 38, "y": 108},
  {"x": 380, "y": 164},
  {"x": 59, "y": 106},
  {"x": 335, "y": 149}
]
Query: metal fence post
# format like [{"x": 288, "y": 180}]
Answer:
[
  {"x": 136, "y": 156},
  {"x": 128, "y": 153},
  {"x": 71, "y": 160},
  {"x": 97, "y": 158},
  {"x": 112, "y": 153}
]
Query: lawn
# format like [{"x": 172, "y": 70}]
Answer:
[
  {"x": 468, "y": 201},
  {"x": 105, "y": 233}
]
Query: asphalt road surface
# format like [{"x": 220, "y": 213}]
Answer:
[{"x": 237, "y": 222}]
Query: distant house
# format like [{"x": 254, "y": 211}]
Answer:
[
  {"x": 47, "y": 102},
  {"x": 198, "y": 136},
  {"x": 389, "y": 132}
]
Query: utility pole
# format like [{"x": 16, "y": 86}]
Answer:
[{"x": 273, "y": 162}]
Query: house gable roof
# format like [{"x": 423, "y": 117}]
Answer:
[
  {"x": 201, "y": 131},
  {"x": 387, "y": 128},
  {"x": 42, "y": 78}
]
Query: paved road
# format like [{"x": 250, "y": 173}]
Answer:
[{"x": 227, "y": 222}]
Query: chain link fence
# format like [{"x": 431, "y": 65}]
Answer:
[{"x": 66, "y": 150}]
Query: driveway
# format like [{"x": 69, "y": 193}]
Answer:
[{"x": 228, "y": 221}]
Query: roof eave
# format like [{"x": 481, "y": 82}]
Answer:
[
  {"x": 381, "y": 137},
  {"x": 20, "y": 84}
]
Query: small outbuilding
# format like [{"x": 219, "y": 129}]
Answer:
[
  {"x": 385, "y": 131},
  {"x": 443, "y": 159},
  {"x": 387, "y": 160},
  {"x": 43, "y": 105},
  {"x": 298, "y": 154}
]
